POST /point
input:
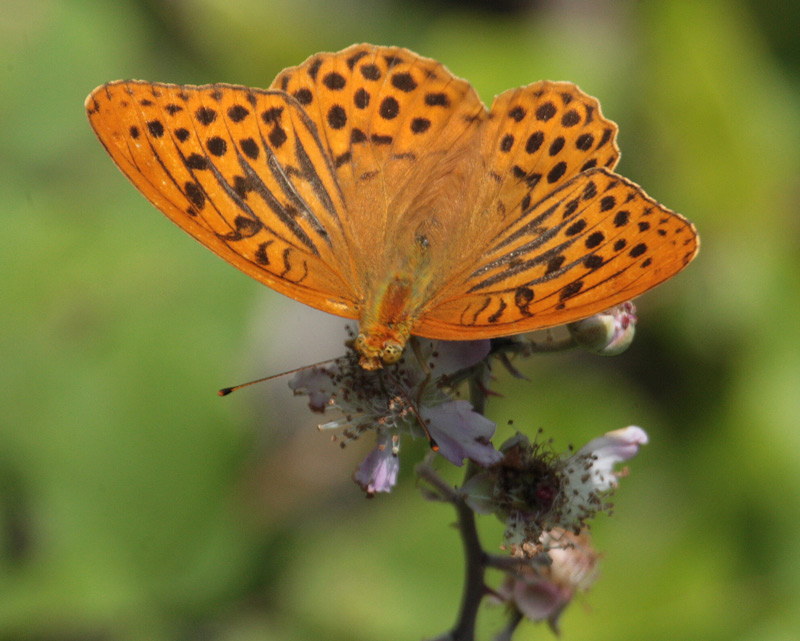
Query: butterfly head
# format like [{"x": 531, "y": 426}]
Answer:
[{"x": 377, "y": 351}]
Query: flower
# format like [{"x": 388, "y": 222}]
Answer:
[
  {"x": 408, "y": 397},
  {"x": 535, "y": 491},
  {"x": 378, "y": 471},
  {"x": 541, "y": 591},
  {"x": 608, "y": 333},
  {"x": 590, "y": 471}
]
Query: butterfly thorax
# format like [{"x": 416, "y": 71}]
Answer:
[
  {"x": 385, "y": 323},
  {"x": 394, "y": 299}
]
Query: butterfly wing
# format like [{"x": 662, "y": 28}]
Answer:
[
  {"x": 539, "y": 137},
  {"x": 241, "y": 170},
  {"x": 567, "y": 237},
  {"x": 401, "y": 130}
]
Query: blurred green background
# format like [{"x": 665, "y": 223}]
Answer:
[{"x": 136, "y": 504}]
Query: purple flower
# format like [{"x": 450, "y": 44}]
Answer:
[
  {"x": 452, "y": 356},
  {"x": 401, "y": 399},
  {"x": 378, "y": 471}
]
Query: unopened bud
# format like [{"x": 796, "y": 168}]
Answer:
[{"x": 609, "y": 333}]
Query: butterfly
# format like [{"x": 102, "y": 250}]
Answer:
[{"x": 375, "y": 185}]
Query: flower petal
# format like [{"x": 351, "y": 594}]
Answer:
[
  {"x": 317, "y": 384},
  {"x": 610, "y": 449},
  {"x": 378, "y": 471},
  {"x": 461, "y": 433},
  {"x": 453, "y": 356},
  {"x": 540, "y": 601}
]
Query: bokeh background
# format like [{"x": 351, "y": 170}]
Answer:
[{"x": 136, "y": 504}]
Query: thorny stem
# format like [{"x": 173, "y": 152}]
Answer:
[
  {"x": 477, "y": 397},
  {"x": 476, "y": 559},
  {"x": 552, "y": 345},
  {"x": 474, "y": 586},
  {"x": 474, "y": 555},
  {"x": 443, "y": 491}
]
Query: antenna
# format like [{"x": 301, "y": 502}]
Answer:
[{"x": 227, "y": 390}]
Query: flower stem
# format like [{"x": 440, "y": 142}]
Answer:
[
  {"x": 474, "y": 558},
  {"x": 548, "y": 344},
  {"x": 441, "y": 490},
  {"x": 474, "y": 555}
]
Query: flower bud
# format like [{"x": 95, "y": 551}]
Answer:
[{"x": 607, "y": 334}]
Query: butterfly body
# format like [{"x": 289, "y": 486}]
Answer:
[{"x": 373, "y": 184}]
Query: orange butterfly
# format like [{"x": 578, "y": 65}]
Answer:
[{"x": 373, "y": 184}]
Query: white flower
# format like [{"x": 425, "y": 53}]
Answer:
[
  {"x": 590, "y": 471},
  {"x": 535, "y": 491}
]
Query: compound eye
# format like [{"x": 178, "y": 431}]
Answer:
[{"x": 392, "y": 352}]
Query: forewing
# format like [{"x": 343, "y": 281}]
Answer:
[
  {"x": 241, "y": 170},
  {"x": 403, "y": 133}
]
